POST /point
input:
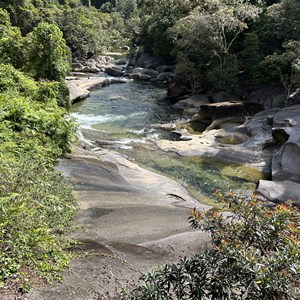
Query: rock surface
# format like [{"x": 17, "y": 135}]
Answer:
[
  {"x": 80, "y": 88},
  {"x": 280, "y": 191},
  {"x": 132, "y": 220},
  {"x": 269, "y": 140}
]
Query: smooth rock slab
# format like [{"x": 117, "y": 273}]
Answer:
[
  {"x": 132, "y": 220},
  {"x": 280, "y": 191}
]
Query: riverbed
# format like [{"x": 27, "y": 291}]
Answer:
[{"x": 127, "y": 118}]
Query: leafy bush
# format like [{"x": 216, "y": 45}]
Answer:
[
  {"x": 254, "y": 255},
  {"x": 31, "y": 109}
]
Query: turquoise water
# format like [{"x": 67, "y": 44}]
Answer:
[{"x": 127, "y": 115}]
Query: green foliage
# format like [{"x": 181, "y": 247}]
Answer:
[
  {"x": 288, "y": 66},
  {"x": 84, "y": 30},
  {"x": 47, "y": 53},
  {"x": 222, "y": 78},
  {"x": 158, "y": 17},
  {"x": 251, "y": 57},
  {"x": 11, "y": 42},
  {"x": 36, "y": 204},
  {"x": 254, "y": 255},
  {"x": 36, "y": 207},
  {"x": 188, "y": 73}
]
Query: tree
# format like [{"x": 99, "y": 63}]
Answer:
[
  {"x": 216, "y": 25},
  {"x": 207, "y": 36},
  {"x": 47, "y": 53},
  {"x": 11, "y": 42},
  {"x": 250, "y": 58},
  {"x": 158, "y": 17},
  {"x": 85, "y": 30},
  {"x": 288, "y": 66}
]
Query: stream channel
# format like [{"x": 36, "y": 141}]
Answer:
[{"x": 124, "y": 117}]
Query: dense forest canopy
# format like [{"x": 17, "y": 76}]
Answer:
[{"x": 222, "y": 42}]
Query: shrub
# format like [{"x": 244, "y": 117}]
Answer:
[{"x": 254, "y": 255}]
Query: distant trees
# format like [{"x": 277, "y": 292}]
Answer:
[
  {"x": 84, "y": 29},
  {"x": 158, "y": 19},
  {"x": 225, "y": 41},
  {"x": 216, "y": 43}
]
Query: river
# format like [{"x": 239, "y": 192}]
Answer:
[{"x": 124, "y": 117}]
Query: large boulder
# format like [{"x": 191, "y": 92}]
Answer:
[
  {"x": 165, "y": 76},
  {"x": 121, "y": 61},
  {"x": 99, "y": 59},
  {"x": 148, "y": 61},
  {"x": 77, "y": 67},
  {"x": 269, "y": 97},
  {"x": 176, "y": 92},
  {"x": 114, "y": 71},
  {"x": 230, "y": 111},
  {"x": 286, "y": 128},
  {"x": 259, "y": 129},
  {"x": 280, "y": 130},
  {"x": 165, "y": 68},
  {"x": 219, "y": 96},
  {"x": 286, "y": 162},
  {"x": 280, "y": 191},
  {"x": 191, "y": 105},
  {"x": 149, "y": 72}
]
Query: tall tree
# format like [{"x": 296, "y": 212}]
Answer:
[
  {"x": 217, "y": 25},
  {"x": 47, "y": 54}
]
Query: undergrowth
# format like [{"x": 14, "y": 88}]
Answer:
[{"x": 37, "y": 205}]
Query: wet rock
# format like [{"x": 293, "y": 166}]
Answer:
[
  {"x": 135, "y": 76},
  {"x": 79, "y": 88},
  {"x": 144, "y": 77}
]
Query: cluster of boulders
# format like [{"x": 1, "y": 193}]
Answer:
[
  {"x": 141, "y": 66},
  {"x": 274, "y": 133},
  {"x": 278, "y": 130},
  {"x": 95, "y": 64}
]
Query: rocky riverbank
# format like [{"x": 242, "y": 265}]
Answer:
[
  {"x": 80, "y": 87},
  {"x": 268, "y": 140},
  {"x": 130, "y": 220}
]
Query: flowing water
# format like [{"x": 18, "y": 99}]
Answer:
[{"x": 124, "y": 117}]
